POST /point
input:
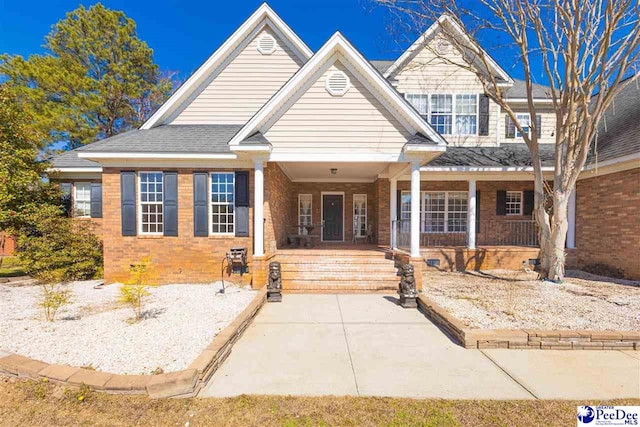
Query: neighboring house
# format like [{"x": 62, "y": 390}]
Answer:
[{"x": 267, "y": 136}]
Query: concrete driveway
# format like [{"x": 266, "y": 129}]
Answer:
[{"x": 366, "y": 345}]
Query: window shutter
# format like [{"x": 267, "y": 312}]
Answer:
[
  {"x": 399, "y": 205},
  {"x": 477, "y": 211},
  {"x": 170, "y": 203},
  {"x": 65, "y": 199},
  {"x": 509, "y": 128},
  {"x": 501, "y": 202},
  {"x": 96, "y": 200},
  {"x": 128, "y": 202},
  {"x": 527, "y": 202},
  {"x": 483, "y": 115},
  {"x": 242, "y": 204},
  {"x": 200, "y": 205},
  {"x": 539, "y": 125}
]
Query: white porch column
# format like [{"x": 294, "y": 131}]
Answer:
[
  {"x": 471, "y": 215},
  {"x": 415, "y": 209},
  {"x": 393, "y": 210},
  {"x": 258, "y": 209},
  {"x": 571, "y": 217}
]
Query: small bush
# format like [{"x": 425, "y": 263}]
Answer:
[
  {"x": 59, "y": 249},
  {"x": 52, "y": 299},
  {"x": 136, "y": 289}
]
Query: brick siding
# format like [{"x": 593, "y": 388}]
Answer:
[
  {"x": 608, "y": 222},
  {"x": 277, "y": 210}
]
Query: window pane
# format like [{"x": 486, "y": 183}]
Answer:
[
  {"x": 442, "y": 113},
  {"x": 82, "y": 200},
  {"x": 151, "y": 197},
  {"x": 420, "y": 103},
  {"x": 525, "y": 122},
  {"x": 360, "y": 215},
  {"x": 514, "y": 203},
  {"x": 222, "y": 199}
]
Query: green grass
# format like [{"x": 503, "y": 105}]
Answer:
[{"x": 11, "y": 267}]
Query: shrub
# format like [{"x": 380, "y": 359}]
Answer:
[
  {"x": 52, "y": 299},
  {"x": 59, "y": 249},
  {"x": 136, "y": 289}
]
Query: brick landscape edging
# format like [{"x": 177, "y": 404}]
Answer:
[
  {"x": 185, "y": 383},
  {"x": 527, "y": 338}
]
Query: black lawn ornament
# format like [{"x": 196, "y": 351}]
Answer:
[
  {"x": 407, "y": 291},
  {"x": 274, "y": 285}
]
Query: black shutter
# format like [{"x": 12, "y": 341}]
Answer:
[
  {"x": 539, "y": 125},
  {"x": 200, "y": 205},
  {"x": 242, "y": 203},
  {"x": 483, "y": 116},
  {"x": 509, "y": 128},
  {"x": 477, "y": 211},
  {"x": 170, "y": 203},
  {"x": 527, "y": 203},
  {"x": 399, "y": 205},
  {"x": 96, "y": 200},
  {"x": 128, "y": 202},
  {"x": 65, "y": 199},
  {"x": 501, "y": 202}
]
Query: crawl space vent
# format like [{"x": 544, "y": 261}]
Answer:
[
  {"x": 337, "y": 83},
  {"x": 266, "y": 44}
]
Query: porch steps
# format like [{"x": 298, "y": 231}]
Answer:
[{"x": 337, "y": 270}]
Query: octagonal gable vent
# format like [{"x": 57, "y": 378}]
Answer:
[
  {"x": 337, "y": 83},
  {"x": 266, "y": 44}
]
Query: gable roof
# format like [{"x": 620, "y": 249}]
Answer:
[
  {"x": 337, "y": 44},
  {"x": 264, "y": 14},
  {"x": 459, "y": 32}
]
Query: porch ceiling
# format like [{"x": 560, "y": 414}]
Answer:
[{"x": 321, "y": 171}]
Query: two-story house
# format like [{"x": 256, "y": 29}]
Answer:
[{"x": 317, "y": 160}]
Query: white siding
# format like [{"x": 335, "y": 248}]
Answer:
[
  {"x": 426, "y": 73},
  {"x": 548, "y": 119},
  {"x": 238, "y": 92},
  {"x": 320, "y": 122}
]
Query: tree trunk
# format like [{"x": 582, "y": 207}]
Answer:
[{"x": 558, "y": 236}]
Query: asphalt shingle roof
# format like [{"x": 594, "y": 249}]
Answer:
[
  {"x": 619, "y": 131},
  {"x": 70, "y": 159},
  {"x": 512, "y": 154}
]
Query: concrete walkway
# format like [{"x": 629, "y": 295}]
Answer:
[{"x": 367, "y": 345}]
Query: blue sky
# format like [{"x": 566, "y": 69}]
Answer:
[{"x": 184, "y": 34}]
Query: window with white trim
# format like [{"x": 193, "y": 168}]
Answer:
[
  {"x": 150, "y": 199},
  {"x": 222, "y": 202},
  {"x": 525, "y": 122},
  {"x": 440, "y": 211},
  {"x": 360, "y": 214},
  {"x": 405, "y": 211},
  {"x": 466, "y": 114},
  {"x": 82, "y": 199},
  {"x": 305, "y": 212},
  {"x": 514, "y": 203},
  {"x": 448, "y": 114},
  {"x": 442, "y": 113}
]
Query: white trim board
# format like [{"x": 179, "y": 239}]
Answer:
[
  {"x": 336, "y": 46},
  {"x": 264, "y": 12},
  {"x": 344, "y": 199}
]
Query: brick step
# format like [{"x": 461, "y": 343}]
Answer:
[
  {"x": 343, "y": 268},
  {"x": 333, "y": 260},
  {"x": 340, "y": 277},
  {"x": 310, "y": 285},
  {"x": 330, "y": 253}
]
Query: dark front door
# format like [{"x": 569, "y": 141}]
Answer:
[{"x": 332, "y": 214}]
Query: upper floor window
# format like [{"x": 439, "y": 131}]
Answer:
[
  {"x": 525, "y": 122},
  {"x": 222, "y": 202},
  {"x": 448, "y": 114},
  {"x": 150, "y": 200},
  {"x": 82, "y": 199}
]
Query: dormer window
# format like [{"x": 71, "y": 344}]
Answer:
[
  {"x": 337, "y": 83},
  {"x": 266, "y": 44}
]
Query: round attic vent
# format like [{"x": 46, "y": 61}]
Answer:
[
  {"x": 337, "y": 83},
  {"x": 443, "y": 47},
  {"x": 266, "y": 44}
]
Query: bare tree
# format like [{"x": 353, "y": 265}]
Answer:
[{"x": 587, "y": 48}]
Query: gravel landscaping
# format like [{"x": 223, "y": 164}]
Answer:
[
  {"x": 96, "y": 331},
  {"x": 516, "y": 300}
]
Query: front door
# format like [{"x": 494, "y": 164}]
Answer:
[{"x": 332, "y": 205}]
